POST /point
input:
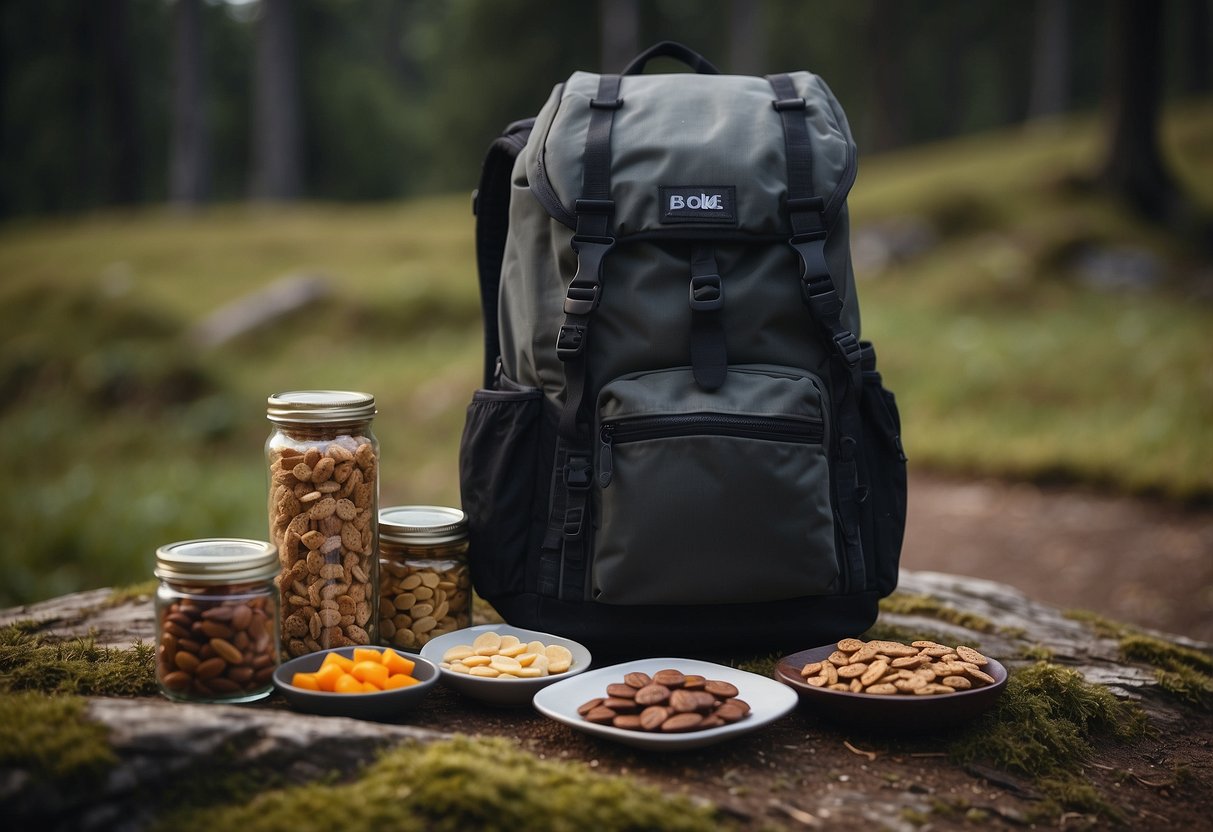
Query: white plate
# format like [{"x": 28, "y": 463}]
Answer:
[
  {"x": 501, "y": 691},
  {"x": 769, "y": 700}
]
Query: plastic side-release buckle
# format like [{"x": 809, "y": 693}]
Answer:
[
  {"x": 570, "y": 342},
  {"x": 577, "y": 473}
]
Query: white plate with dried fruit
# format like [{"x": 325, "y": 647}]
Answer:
[
  {"x": 666, "y": 704},
  {"x": 504, "y": 665},
  {"x": 891, "y": 686}
]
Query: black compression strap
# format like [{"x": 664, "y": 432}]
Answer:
[
  {"x": 709, "y": 355},
  {"x": 592, "y": 240},
  {"x": 791, "y": 107},
  {"x": 806, "y": 213}
]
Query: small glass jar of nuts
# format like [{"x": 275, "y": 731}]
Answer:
[
  {"x": 216, "y": 620},
  {"x": 323, "y": 515},
  {"x": 425, "y": 589}
]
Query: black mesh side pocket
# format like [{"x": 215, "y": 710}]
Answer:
[
  {"x": 884, "y": 508},
  {"x": 497, "y": 465}
]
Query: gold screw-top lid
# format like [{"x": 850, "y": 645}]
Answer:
[
  {"x": 217, "y": 560},
  {"x": 309, "y": 407},
  {"x": 422, "y": 524}
]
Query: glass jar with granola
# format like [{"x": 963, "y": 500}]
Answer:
[{"x": 323, "y": 464}]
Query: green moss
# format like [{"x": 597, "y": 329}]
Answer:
[
  {"x": 142, "y": 591},
  {"x": 32, "y": 662},
  {"x": 761, "y": 665},
  {"x": 1100, "y": 625},
  {"x": 905, "y": 604},
  {"x": 1182, "y": 672},
  {"x": 1044, "y": 726},
  {"x": 1068, "y": 794},
  {"x": 51, "y": 738},
  {"x": 1045, "y": 721},
  {"x": 457, "y": 785},
  {"x": 1036, "y": 653}
]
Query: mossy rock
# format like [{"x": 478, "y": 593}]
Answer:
[{"x": 458, "y": 785}]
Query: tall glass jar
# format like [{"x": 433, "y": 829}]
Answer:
[
  {"x": 425, "y": 587},
  {"x": 216, "y": 620},
  {"x": 323, "y": 514}
]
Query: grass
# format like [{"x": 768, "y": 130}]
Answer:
[{"x": 123, "y": 435}]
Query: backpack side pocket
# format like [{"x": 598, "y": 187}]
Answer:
[
  {"x": 885, "y": 469},
  {"x": 498, "y": 454}
]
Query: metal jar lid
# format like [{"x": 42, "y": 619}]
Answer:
[
  {"x": 324, "y": 407},
  {"x": 217, "y": 560},
  {"x": 424, "y": 525}
]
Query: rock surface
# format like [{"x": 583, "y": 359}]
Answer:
[{"x": 863, "y": 780}]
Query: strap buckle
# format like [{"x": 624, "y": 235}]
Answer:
[
  {"x": 570, "y": 342},
  {"x": 573, "y": 521},
  {"x": 706, "y": 292},
  {"x": 583, "y": 299},
  {"x": 848, "y": 347},
  {"x": 577, "y": 473}
]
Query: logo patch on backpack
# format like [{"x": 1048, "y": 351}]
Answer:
[{"x": 716, "y": 203}]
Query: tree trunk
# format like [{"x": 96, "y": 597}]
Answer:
[
  {"x": 189, "y": 156},
  {"x": 747, "y": 42},
  {"x": 1196, "y": 17},
  {"x": 277, "y": 139},
  {"x": 886, "y": 117},
  {"x": 125, "y": 173},
  {"x": 1050, "y": 93},
  {"x": 1133, "y": 166},
  {"x": 620, "y": 24}
]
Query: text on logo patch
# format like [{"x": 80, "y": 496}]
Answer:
[{"x": 698, "y": 204}]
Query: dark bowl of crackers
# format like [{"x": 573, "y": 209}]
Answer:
[{"x": 888, "y": 686}]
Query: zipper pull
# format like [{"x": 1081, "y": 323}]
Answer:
[{"x": 606, "y": 438}]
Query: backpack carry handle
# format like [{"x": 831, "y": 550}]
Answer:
[{"x": 675, "y": 50}]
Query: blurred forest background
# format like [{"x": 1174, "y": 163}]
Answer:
[
  {"x": 135, "y": 101},
  {"x": 1030, "y": 226}
]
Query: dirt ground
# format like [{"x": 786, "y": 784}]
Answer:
[{"x": 1138, "y": 561}]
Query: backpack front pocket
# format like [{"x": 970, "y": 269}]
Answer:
[{"x": 713, "y": 497}]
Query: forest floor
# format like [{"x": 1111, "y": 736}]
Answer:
[{"x": 1139, "y": 561}]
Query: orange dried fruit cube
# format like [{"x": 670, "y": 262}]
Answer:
[
  {"x": 368, "y": 687},
  {"x": 396, "y": 663},
  {"x": 366, "y": 654},
  {"x": 327, "y": 676},
  {"x": 348, "y": 684},
  {"x": 373, "y": 672},
  {"x": 339, "y": 660},
  {"x": 307, "y": 681},
  {"x": 399, "y": 680}
]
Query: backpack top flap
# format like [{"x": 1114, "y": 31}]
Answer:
[{"x": 691, "y": 154}]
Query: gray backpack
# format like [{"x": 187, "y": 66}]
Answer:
[{"x": 681, "y": 442}]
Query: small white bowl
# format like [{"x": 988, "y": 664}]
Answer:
[
  {"x": 502, "y": 691},
  {"x": 379, "y": 706}
]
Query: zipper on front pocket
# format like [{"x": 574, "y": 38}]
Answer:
[{"x": 766, "y": 428}]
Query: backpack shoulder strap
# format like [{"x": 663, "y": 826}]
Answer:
[{"x": 491, "y": 205}]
